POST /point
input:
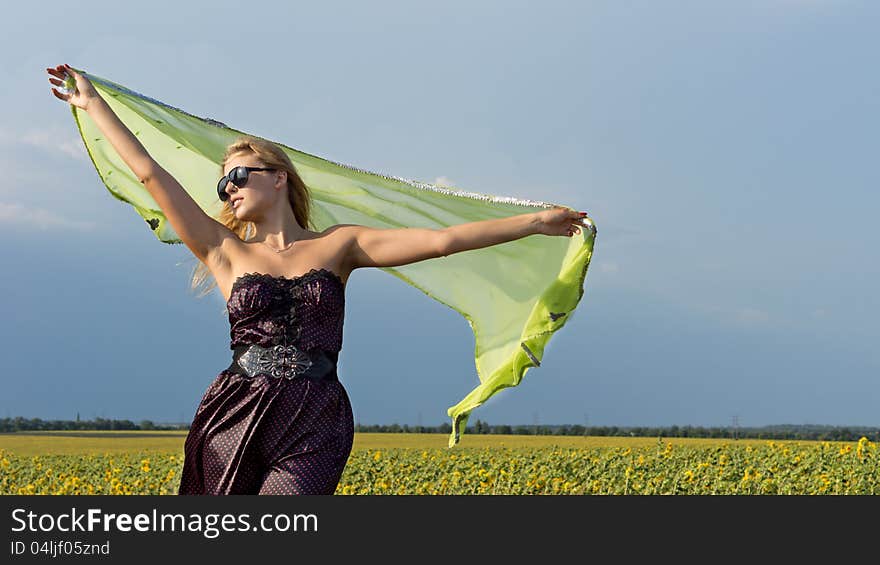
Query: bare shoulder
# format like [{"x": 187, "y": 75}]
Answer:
[
  {"x": 329, "y": 249},
  {"x": 342, "y": 230},
  {"x": 341, "y": 237},
  {"x": 222, "y": 256}
]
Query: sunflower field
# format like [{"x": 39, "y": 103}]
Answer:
[{"x": 658, "y": 467}]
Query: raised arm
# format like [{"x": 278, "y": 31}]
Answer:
[
  {"x": 199, "y": 231},
  {"x": 371, "y": 247}
]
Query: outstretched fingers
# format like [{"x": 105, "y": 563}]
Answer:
[
  {"x": 60, "y": 96},
  {"x": 579, "y": 220},
  {"x": 59, "y": 81}
]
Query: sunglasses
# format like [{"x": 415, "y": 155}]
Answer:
[{"x": 237, "y": 176}]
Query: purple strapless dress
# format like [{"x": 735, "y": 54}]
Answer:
[{"x": 277, "y": 421}]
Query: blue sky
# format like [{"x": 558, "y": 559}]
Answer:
[{"x": 724, "y": 150}]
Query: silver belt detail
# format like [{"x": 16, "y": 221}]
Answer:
[{"x": 285, "y": 361}]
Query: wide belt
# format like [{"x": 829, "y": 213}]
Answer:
[{"x": 284, "y": 361}]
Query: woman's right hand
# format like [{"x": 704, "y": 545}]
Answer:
[{"x": 84, "y": 92}]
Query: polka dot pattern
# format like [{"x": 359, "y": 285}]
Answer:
[
  {"x": 307, "y": 310},
  {"x": 268, "y": 435}
]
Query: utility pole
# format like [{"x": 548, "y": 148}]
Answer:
[{"x": 735, "y": 427}]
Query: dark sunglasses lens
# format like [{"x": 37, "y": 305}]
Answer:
[
  {"x": 239, "y": 176},
  {"x": 221, "y": 189}
]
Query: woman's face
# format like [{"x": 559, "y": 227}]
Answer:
[{"x": 261, "y": 192}]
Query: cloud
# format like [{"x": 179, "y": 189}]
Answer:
[
  {"x": 810, "y": 2},
  {"x": 12, "y": 213},
  {"x": 443, "y": 181},
  {"x": 752, "y": 316},
  {"x": 794, "y": 5},
  {"x": 70, "y": 146},
  {"x": 609, "y": 267},
  {"x": 53, "y": 140}
]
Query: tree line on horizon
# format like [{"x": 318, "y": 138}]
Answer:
[{"x": 782, "y": 432}]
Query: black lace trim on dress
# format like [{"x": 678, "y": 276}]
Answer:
[{"x": 308, "y": 274}]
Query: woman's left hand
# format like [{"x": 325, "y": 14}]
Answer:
[{"x": 560, "y": 221}]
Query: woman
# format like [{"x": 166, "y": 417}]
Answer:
[{"x": 278, "y": 421}]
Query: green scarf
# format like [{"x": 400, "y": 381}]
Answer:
[{"x": 515, "y": 295}]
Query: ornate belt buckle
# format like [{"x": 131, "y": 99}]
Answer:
[{"x": 286, "y": 361}]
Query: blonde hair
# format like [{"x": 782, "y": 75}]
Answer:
[{"x": 269, "y": 155}]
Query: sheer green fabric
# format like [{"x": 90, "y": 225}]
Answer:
[{"x": 514, "y": 295}]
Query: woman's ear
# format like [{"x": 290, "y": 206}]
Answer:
[{"x": 281, "y": 179}]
